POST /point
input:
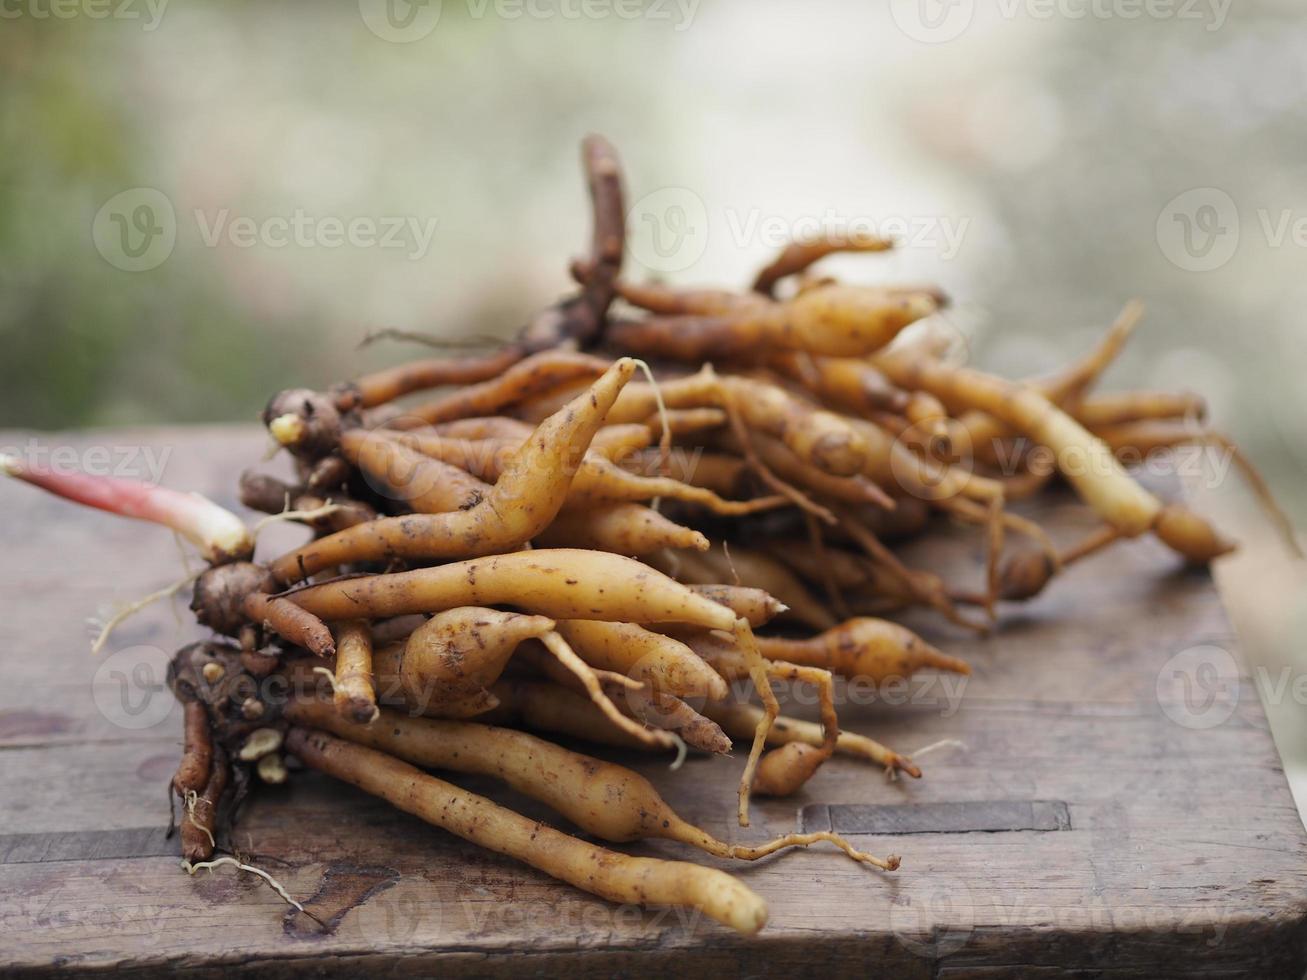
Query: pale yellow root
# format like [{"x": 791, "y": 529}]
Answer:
[
  {"x": 354, "y": 694},
  {"x": 613, "y": 876},
  {"x": 740, "y": 721},
  {"x": 581, "y": 788},
  {"x": 557, "y": 646}
]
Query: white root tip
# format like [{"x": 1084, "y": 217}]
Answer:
[
  {"x": 261, "y": 742},
  {"x": 288, "y": 429},
  {"x": 11, "y": 465}
]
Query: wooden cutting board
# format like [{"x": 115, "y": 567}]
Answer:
[{"x": 1108, "y": 797}]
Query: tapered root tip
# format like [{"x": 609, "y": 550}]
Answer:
[
  {"x": 942, "y": 661},
  {"x": 1190, "y": 535},
  {"x": 11, "y": 465},
  {"x": 903, "y": 764}
]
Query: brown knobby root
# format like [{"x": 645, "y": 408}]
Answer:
[
  {"x": 536, "y": 374},
  {"x": 527, "y": 496},
  {"x": 197, "y": 750},
  {"x": 623, "y": 528},
  {"x": 664, "y": 663},
  {"x": 864, "y": 647},
  {"x": 1027, "y": 572},
  {"x": 284, "y": 502},
  {"x": 616, "y": 877},
  {"x": 290, "y": 622},
  {"x": 797, "y": 257},
  {"x": 562, "y": 583},
  {"x": 200, "y": 817},
  {"x": 307, "y": 423},
  {"x": 385, "y": 386},
  {"x": 218, "y": 600},
  {"x": 601, "y": 798},
  {"x": 739, "y": 720},
  {"x": 356, "y": 698},
  {"x": 845, "y": 321},
  {"x": 428, "y": 486}
]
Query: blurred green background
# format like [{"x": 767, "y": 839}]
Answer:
[{"x": 1081, "y": 153}]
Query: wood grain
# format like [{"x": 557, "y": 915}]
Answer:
[{"x": 1120, "y": 693}]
